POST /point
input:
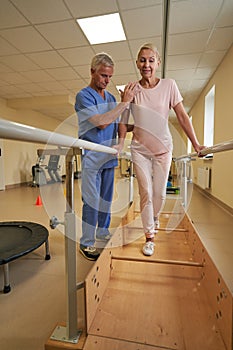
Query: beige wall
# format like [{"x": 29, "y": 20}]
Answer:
[
  {"x": 20, "y": 156},
  {"x": 222, "y": 163}
]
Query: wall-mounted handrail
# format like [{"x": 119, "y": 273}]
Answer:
[{"x": 219, "y": 147}]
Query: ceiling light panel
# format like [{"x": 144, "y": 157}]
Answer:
[{"x": 102, "y": 29}]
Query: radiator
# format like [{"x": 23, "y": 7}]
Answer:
[{"x": 204, "y": 177}]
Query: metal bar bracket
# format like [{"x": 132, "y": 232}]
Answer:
[{"x": 60, "y": 334}]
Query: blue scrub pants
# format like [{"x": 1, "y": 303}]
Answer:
[{"x": 97, "y": 192}]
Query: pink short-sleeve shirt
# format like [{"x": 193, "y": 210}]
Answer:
[{"x": 150, "y": 110}]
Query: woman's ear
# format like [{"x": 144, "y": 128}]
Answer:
[{"x": 158, "y": 60}]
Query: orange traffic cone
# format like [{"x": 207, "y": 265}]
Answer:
[{"x": 38, "y": 201}]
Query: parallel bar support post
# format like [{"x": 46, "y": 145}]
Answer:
[
  {"x": 184, "y": 182},
  {"x": 131, "y": 180},
  {"x": 70, "y": 250},
  {"x": 69, "y": 333}
]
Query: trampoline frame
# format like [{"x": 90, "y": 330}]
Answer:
[{"x": 39, "y": 236}]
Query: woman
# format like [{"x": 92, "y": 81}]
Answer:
[{"x": 151, "y": 146}]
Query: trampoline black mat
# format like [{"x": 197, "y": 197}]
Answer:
[{"x": 18, "y": 238}]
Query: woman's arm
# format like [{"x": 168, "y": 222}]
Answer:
[
  {"x": 123, "y": 128},
  {"x": 186, "y": 125}
]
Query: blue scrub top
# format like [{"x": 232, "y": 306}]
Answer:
[{"x": 89, "y": 103}]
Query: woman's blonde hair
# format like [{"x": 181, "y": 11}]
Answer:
[{"x": 149, "y": 46}]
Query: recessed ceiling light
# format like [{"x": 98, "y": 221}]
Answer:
[{"x": 102, "y": 29}]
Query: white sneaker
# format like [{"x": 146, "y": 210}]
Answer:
[{"x": 148, "y": 248}]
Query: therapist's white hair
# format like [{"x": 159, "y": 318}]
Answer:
[{"x": 102, "y": 58}]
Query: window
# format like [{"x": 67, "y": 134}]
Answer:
[{"x": 209, "y": 118}]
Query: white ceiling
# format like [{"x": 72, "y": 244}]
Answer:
[{"x": 44, "y": 53}]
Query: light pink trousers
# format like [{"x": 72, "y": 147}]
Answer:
[{"x": 152, "y": 175}]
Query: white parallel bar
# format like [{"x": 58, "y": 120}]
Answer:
[
  {"x": 184, "y": 159},
  {"x": 20, "y": 132},
  {"x": 219, "y": 147}
]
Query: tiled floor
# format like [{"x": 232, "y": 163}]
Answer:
[{"x": 37, "y": 301}]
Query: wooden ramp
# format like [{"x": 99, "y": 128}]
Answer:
[{"x": 175, "y": 299}]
